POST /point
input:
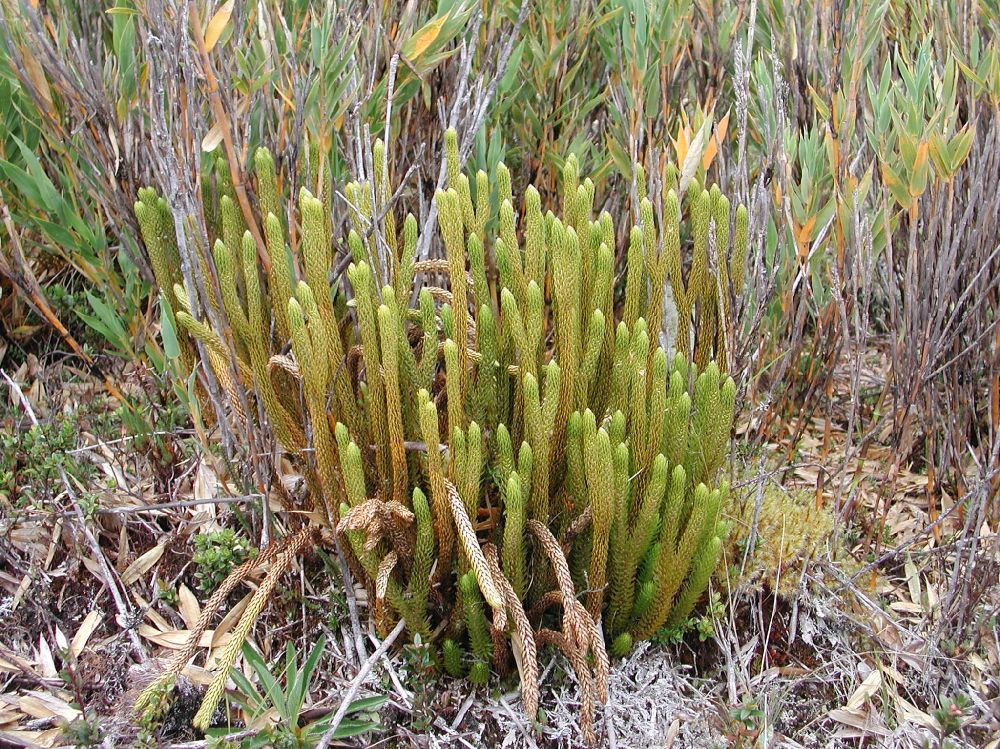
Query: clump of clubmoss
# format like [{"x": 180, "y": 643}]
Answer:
[{"x": 568, "y": 486}]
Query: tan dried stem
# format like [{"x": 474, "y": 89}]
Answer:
[
  {"x": 385, "y": 568},
  {"x": 522, "y": 637},
  {"x": 282, "y": 562},
  {"x": 575, "y": 617},
  {"x": 215, "y": 601},
  {"x": 578, "y": 526},
  {"x": 470, "y": 545},
  {"x": 223, "y": 121},
  {"x": 285, "y": 363}
]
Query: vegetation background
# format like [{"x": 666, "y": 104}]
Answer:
[{"x": 858, "y": 595}]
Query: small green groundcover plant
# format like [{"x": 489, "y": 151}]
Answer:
[
  {"x": 277, "y": 709},
  {"x": 274, "y": 709},
  {"x": 216, "y": 553},
  {"x": 32, "y": 462},
  {"x": 510, "y": 456}
]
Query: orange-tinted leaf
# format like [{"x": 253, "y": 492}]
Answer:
[
  {"x": 218, "y": 23},
  {"x": 712, "y": 149},
  {"x": 921, "y": 170},
  {"x": 804, "y": 235},
  {"x": 896, "y": 187},
  {"x": 417, "y": 44},
  {"x": 37, "y": 76},
  {"x": 681, "y": 143}
]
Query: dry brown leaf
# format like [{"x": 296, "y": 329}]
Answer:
[
  {"x": 150, "y": 613},
  {"x": 142, "y": 564},
  {"x": 87, "y": 627},
  {"x": 912, "y": 579},
  {"x": 864, "y": 692},
  {"x": 12, "y": 662},
  {"x": 176, "y": 639},
  {"x": 906, "y": 711},
  {"x": 44, "y": 705},
  {"x": 53, "y": 544},
  {"x": 7, "y": 666},
  {"x": 861, "y": 723},
  {"x": 37, "y": 76},
  {"x": 206, "y": 483},
  {"x": 212, "y": 138},
  {"x": 692, "y": 159},
  {"x": 33, "y": 739},
  {"x": 932, "y": 595},
  {"x": 94, "y": 567},
  {"x": 198, "y": 675},
  {"x": 906, "y": 607},
  {"x": 977, "y": 661},
  {"x": 22, "y": 588},
  {"x": 230, "y": 619},
  {"x": 62, "y": 643},
  {"x": 45, "y": 661},
  {"x": 52, "y": 737},
  {"x": 892, "y": 674},
  {"x": 672, "y": 732},
  {"x": 123, "y": 544},
  {"x": 187, "y": 606}
]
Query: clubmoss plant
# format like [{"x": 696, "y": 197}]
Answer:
[{"x": 516, "y": 459}]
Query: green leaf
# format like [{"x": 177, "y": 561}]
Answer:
[
  {"x": 58, "y": 233},
  {"x": 50, "y": 198},
  {"x": 272, "y": 689},
  {"x": 168, "y": 329},
  {"x": 346, "y": 729},
  {"x": 122, "y": 11},
  {"x": 960, "y": 146},
  {"x": 247, "y": 694},
  {"x": 106, "y": 322},
  {"x": 25, "y": 184},
  {"x": 291, "y": 667},
  {"x": 297, "y": 692},
  {"x": 819, "y": 103},
  {"x": 366, "y": 704},
  {"x": 123, "y": 37},
  {"x": 513, "y": 71},
  {"x": 351, "y": 727}
]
